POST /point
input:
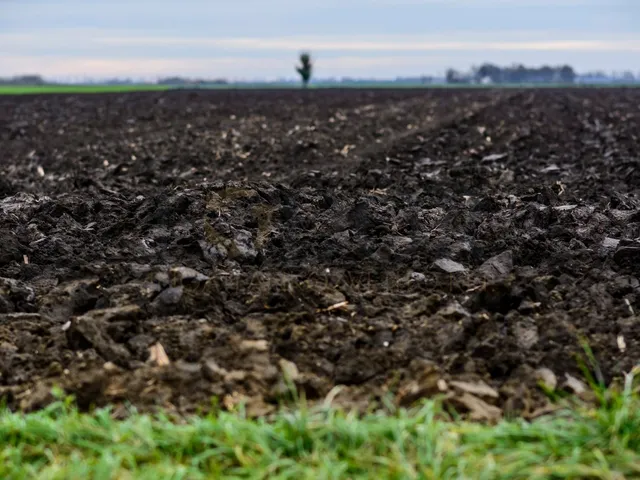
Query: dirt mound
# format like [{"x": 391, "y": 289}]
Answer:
[{"x": 164, "y": 249}]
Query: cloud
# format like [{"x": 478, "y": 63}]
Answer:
[
  {"x": 127, "y": 43},
  {"x": 109, "y": 52},
  {"x": 56, "y": 66},
  {"x": 322, "y": 44}
]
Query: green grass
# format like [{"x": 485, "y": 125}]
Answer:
[
  {"x": 580, "y": 442},
  {"x": 41, "y": 89},
  {"x": 79, "y": 89}
]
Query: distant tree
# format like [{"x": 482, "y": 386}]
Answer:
[
  {"x": 547, "y": 74},
  {"x": 567, "y": 74},
  {"x": 453, "y": 76},
  {"x": 305, "y": 69},
  {"x": 487, "y": 70},
  {"x": 24, "y": 80},
  {"x": 519, "y": 74},
  {"x": 628, "y": 77}
]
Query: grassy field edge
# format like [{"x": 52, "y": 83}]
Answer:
[
  {"x": 577, "y": 442},
  {"x": 88, "y": 89}
]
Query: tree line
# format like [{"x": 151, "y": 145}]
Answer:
[
  {"x": 23, "y": 80},
  {"x": 490, "y": 73},
  {"x": 486, "y": 73}
]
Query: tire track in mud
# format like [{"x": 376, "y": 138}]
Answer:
[
  {"x": 439, "y": 116},
  {"x": 487, "y": 137},
  {"x": 431, "y": 127}
]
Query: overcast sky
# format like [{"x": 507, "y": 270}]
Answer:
[{"x": 250, "y": 39}]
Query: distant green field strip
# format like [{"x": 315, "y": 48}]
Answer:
[
  {"x": 37, "y": 89},
  {"x": 80, "y": 89}
]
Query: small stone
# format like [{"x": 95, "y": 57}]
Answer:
[
  {"x": 244, "y": 247},
  {"x": 162, "y": 278},
  {"x": 494, "y": 157},
  {"x": 412, "y": 277},
  {"x": 527, "y": 306},
  {"x": 609, "y": 242},
  {"x": 479, "y": 388},
  {"x": 417, "y": 277},
  {"x": 255, "y": 345},
  {"x": 454, "y": 310},
  {"x": 289, "y": 370},
  {"x": 110, "y": 367},
  {"x": 497, "y": 267},
  {"x": 575, "y": 385},
  {"x": 169, "y": 296},
  {"x": 449, "y": 266},
  {"x": 551, "y": 168},
  {"x": 187, "y": 275},
  {"x": 460, "y": 249},
  {"x": 547, "y": 378},
  {"x": 478, "y": 409},
  {"x": 565, "y": 208},
  {"x": 158, "y": 356},
  {"x": 526, "y": 334}
]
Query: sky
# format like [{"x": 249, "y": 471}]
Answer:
[{"x": 260, "y": 39}]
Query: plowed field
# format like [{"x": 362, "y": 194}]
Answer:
[{"x": 164, "y": 249}]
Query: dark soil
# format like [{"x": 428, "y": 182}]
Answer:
[{"x": 395, "y": 243}]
